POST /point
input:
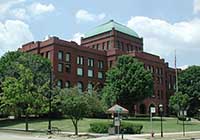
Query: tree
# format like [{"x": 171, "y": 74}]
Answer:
[
  {"x": 127, "y": 83},
  {"x": 20, "y": 96},
  {"x": 179, "y": 102},
  {"x": 24, "y": 84},
  {"x": 77, "y": 105},
  {"x": 189, "y": 83}
]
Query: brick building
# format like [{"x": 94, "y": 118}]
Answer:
[{"x": 85, "y": 65}]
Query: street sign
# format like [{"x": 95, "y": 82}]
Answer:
[
  {"x": 153, "y": 110},
  {"x": 117, "y": 121}
]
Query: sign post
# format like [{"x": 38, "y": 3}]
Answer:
[
  {"x": 117, "y": 119},
  {"x": 152, "y": 110}
]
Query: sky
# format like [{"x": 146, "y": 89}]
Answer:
[{"x": 165, "y": 25}]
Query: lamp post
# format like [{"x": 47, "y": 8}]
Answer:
[
  {"x": 50, "y": 99},
  {"x": 161, "y": 121}
]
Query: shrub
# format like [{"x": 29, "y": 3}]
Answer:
[
  {"x": 127, "y": 128},
  {"x": 180, "y": 118},
  {"x": 100, "y": 127},
  {"x": 130, "y": 128}
]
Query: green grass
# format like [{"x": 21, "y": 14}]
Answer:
[{"x": 169, "y": 124}]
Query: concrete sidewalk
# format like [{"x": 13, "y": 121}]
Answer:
[{"x": 169, "y": 136}]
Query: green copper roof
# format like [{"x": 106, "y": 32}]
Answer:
[{"x": 108, "y": 27}]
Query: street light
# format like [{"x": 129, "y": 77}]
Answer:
[
  {"x": 50, "y": 99},
  {"x": 161, "y": 121}
]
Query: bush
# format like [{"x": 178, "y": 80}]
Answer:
[
  {"x": 127, "y": 128},
  {"x": 100, "y": 127},
  {"x": 130, "y": 128},
  {"x": 180, "y": 118}
]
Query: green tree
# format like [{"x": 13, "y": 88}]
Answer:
[
  {"x": 20, "y": 95},
  {"x": 189, "y": 83},
  {"x": 179, "y": 102},
  {"x": 77, "y": 105},
  {"x": 127, "y": 83}
]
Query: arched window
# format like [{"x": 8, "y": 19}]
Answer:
[
  {"x": 80, "y": 86},
  {"x": 67, "y": 84},
  {"x": 59, "y": 83},
  {"x": 90, "y": 87}
]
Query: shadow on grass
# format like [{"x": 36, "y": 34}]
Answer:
[
  {"x": 143, "y": 119},
  {"x": 9, "y": 122}
]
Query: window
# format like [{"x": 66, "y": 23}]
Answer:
[
  {"x": 48, "y": 55},
  {"x": 90, "y": 62},
  {"x": 108, "y": 45},
  {"x": 127, "y": 47},
  {"x": 90, "y": 87},
  {"x": 122, "y": 46},
  {"x": 118, "y": 44},
  {"x": 97, "y": 46},
  {"x": 103, "y": 46},
  {"x": 90, "y": 73},
  {"x": 80, "y": 71},
  {"x": 60, "y": 67},
  {"x": 68, "y": 57},
  {"x": 80, "y": 60},
  {"x": 80, "y": 86},
  {"x": 110, "y": 63},
  {"x": 100, "y": 64},
  {"x": 100, "y": 75},
  {"x": 60, "y": 55},
  {"x": 68, "y": 68},
  {"x": 67, "y": 84},
  {"x": 59, "y": 83}
]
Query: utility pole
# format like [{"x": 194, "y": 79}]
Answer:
[{"x": 176, "y": 72}]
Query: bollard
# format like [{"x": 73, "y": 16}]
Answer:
[{"x": 123, "y": 130}]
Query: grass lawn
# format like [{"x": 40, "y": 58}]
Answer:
[{"x": 169, "y": 124}]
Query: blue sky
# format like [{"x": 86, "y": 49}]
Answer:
[{"x": 165, "y": 25}]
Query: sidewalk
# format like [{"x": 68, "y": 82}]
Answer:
[{"x": 168, "y": 136}]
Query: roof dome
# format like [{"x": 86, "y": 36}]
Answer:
[{"x": 108, "y": 27}]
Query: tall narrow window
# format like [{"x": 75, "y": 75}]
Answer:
[
  {"x": 100, "y": 75},
  {"x": 80, "y": 71},
  {"x": 68, "y": 68},
  {"x": 48, "y": 55},
  {"x": 60, "y": 67},
  {"x": 108, "y": 45},
  {"x": 59, "y": 83},
  {"x": 80, "y": 60},
  {"x": 100, "y": 64},
  {"x": 103, "y": 46},
  {"x": 80, "y": 86},
  {"x": 90, "y": 87},
  {"x": 67, "y": 84},
  {"x": 68, "y": 57},
  {"x": 60, "y": 55},
  {"x": 90, "y": 73},
  {"x": 90, "y": 62},
  {"x": 97, "y": 46}
]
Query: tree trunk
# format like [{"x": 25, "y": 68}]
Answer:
[
  {"x": 75, "y": 123},
  {"x": 76, "y": 129},
  {"x": 26, "y": 121}
]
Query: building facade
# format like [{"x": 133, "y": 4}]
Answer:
[{"x": 85, "y": 65}]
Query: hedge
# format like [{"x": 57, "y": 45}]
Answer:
[{"x": 128, "y": 128}]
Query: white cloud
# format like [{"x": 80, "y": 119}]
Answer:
[
  {"x": 77, "y": 37},
  {"x": 13, "y": 33},
  {"x": 196, "y": 6},
  {"x": 6, "y": 5},
  {"x": 162, "y": 38},
  {"x": 20, "y": 13},
  {"x": 83, "y": 15},
  {"x": 38, "y": 8}
]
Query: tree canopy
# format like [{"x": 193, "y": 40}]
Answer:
[
  {"x": 127, "y": 82},
  {"x": 24, "y": 84},
  {"x": 179, "y": 102},
  {"x": 189, "y": 83},
  {"x": 77, "y": 105}
]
